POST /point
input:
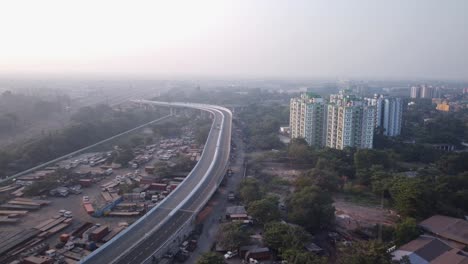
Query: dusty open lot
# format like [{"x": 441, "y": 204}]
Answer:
[{"x": 352, "y": 216}]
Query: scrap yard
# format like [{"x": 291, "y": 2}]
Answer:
[{"x": 61, "y": 213}]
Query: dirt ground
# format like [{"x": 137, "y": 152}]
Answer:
[
  {"x": 352, "y": 216},
  {"x": 284, "y": 173}
]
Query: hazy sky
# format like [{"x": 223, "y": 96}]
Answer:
[{"x": 239, "y": 38}]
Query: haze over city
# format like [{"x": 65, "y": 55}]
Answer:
[
  {"x": 256, "y": 39},
  {"x": 234, "y": 132}
]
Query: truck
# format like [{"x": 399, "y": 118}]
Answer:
[
  {"x": 258, "y": 254},
  {"x": 88, "y": 208},
  {"x": 99, "y": 233},
  {"x": 85, "y": 182}
]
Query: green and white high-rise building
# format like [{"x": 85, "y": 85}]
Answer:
[
  {"x": 350, "y": 121},
  {"x": 345, "y": 121},
  {"x": 307, "y": 119}
]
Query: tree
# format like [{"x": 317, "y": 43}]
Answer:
[
  {"x": 406, "y": 231},
  {"x": 282, "y": 236},
  {"x": 295, "y": 256},
  {"x": 311, "y": 208},
  {"x": 264, "y": 210},
  {"x": 379, "y": 180},
  {"x": 413, "y": 197},
  {"x": 183, "y": 163},
  {"x": 340, "y": 161},
  {"x": 453, "y": 163},
  {"x": 161, "y": 169},
  {"x": 124, "y": 156},
  {"x": 299, "y": 151},
  {"x": 232, "y": 236},
  {"x": 325, "y": 179},
  {"x": 249, "y": 190},
  {"x": 365, "y": 158},
  {"x": 365, "y": 252},
  {"x": 266, "y": 141},
  {"x": 211, "y": 258}
]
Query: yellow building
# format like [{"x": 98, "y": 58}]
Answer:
[{"x": 443, "y": 107}]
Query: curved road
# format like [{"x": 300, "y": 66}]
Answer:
[{"x": 152, "y": 231}]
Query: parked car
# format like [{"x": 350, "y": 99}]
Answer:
[{"x": 229, "y": 254}]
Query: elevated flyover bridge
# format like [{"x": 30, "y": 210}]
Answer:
[{"x": 166, "y": 225}]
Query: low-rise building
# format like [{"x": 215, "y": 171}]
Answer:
[
  {"x": 237, "y": 212},
  {"x": 430, "y": 250},
  {"x": 453, "y": 230},
  {"x": 422, "y": 250}
]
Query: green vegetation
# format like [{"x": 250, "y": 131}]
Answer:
[
  {"x": 124, "y": 155},
  {"x": 281, "y": 236},
  {"x": 211, "y": 258},
  {"x": 161, "y": 169},
  {"x": 289, "y": 241},
  {"x": 183, "y": 163},
  {"x": 406, "y": 230},
  {"x": 40, "y": 187},
  {"x": 249, "y": 191},
  {"x": 18, "y": 110},
  {"x": 299, "y": 151},
  {"x": 365, "y": 252},
  {"x": 264, "y": 210},
  {"x": 297, "y": 256},
  {"x": 311, "y": 208},
  {"x": 233, "y": 235},
  {"x": 260, "y": 125},
  {"x": 90, "y": 125},
  {"x": 426, "y": 125},
  {"x": 439, "y": 183}
]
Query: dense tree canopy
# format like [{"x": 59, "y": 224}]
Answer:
[
  {"x": 233, "y": 235},
  {"x": 299, "y": 151},
  {"x": 249, "y": 190},
  {"x": 311, "y": 208},
  {"x": 261, "y": 123},
  {"x": 264, "y": 210},
  {"x": 282, "y": 236},
  {"x": 406, "y": 230}
]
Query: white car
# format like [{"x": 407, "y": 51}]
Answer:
[{"x": 229, "y": 254}]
